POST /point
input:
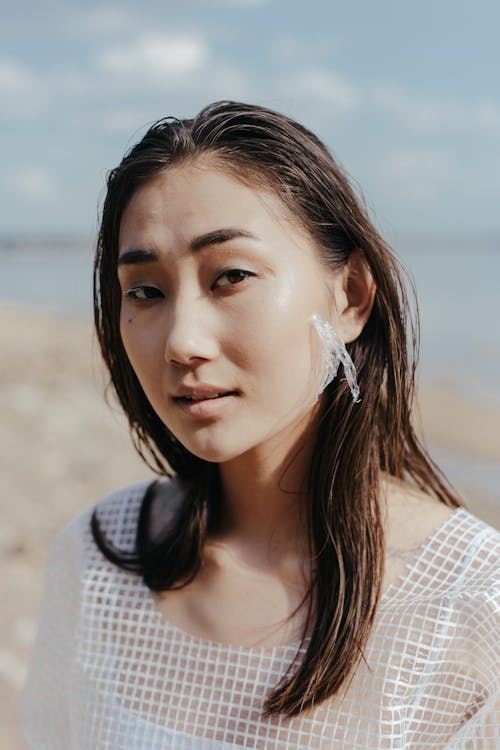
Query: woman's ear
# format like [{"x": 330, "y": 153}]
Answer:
[{"x": 354, "y": 292}]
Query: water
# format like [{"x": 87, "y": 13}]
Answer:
[
  {"x": 47, "y": 278},
  {"x": 458, "y": 288}
]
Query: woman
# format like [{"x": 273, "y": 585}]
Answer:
[{"x": 300, "y": 576}]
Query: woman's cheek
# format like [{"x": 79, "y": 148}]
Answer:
[{"x": 141, "y": 349}]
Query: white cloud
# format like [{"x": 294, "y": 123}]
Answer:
[
  {"x": 409, "y": 162},
  {"x": 417, "y": 112},
  {"x": 121, "y": 120},
  {"x": 13, "y": 78},
  {"x": 124, "y": 115},
  {"x": 487, "y": 114},
  {"x": 22, "y": 93},
  {"x": 156, "y": 55},
  {"x": 326, "y": 86},
  {"x": 427, "y": 114},
  {"x": 33, "y": 184},
  {"x": 419, "y": 172},
  {"x": 224, "y": 82}
]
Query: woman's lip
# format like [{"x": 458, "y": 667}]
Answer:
[{"x": 205, "y": 407}]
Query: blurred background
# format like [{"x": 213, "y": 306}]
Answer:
[{"x": 406, "y": 95}]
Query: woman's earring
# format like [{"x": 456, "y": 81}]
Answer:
[{"x": 334, "y": 352}]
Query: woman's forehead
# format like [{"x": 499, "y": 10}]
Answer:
[{"x": 202, "y": 196}]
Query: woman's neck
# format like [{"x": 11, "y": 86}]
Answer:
[{"x": 265, "y": 498}]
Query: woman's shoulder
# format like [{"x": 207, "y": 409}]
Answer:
[
  {"x": 414, "y": 517},
  {"x": 465, "y": 560},
  {"x": 470, "y": 551},
  {"x": 460, "y": 564},
  {"x": 117, "y": 513},
  {"x": 450, "y": 549},
  {"x": 463, "y": 554}
]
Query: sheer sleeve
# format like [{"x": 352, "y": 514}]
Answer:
[
  {"x": 46, "y": 721},
  {"x": 479, "y": 624}
]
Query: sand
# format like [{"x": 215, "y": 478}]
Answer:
[{"x": 62, "y": 447}]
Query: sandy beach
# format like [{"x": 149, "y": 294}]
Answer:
[{"x": 62, "y": 447}]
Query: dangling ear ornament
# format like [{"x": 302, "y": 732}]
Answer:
[{"x": 334, "y": 353}]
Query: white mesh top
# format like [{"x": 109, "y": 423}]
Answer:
[{"x": 110, "y": 673}]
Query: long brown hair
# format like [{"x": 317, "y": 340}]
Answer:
[{"x": 355, "y": 441}]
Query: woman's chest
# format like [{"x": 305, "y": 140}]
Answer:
[{"x": 145, "y": 672}]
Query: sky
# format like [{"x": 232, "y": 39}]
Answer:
[{"x": 405, "y": 94}]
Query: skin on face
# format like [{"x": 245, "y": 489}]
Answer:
[{"x": 219, "y": 284}]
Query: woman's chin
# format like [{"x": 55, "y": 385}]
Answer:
[{"x": 216, "y": 454}]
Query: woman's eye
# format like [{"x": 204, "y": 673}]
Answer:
[
  {"x": 231, "y": 277},
  {"x": 143, "y": 293}
]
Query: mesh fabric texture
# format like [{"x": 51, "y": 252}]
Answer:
[{"x": 109, "y": 672}]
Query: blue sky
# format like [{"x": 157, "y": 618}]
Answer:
[{"x": 407, "y": 95}]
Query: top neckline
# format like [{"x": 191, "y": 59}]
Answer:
[{"x": 403, "y": 584}]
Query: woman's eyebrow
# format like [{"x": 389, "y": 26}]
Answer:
[
  {"x": 131, "y": 257},
  {"x": 221, "y": 235},
  {"x": 216, "y": 237}
]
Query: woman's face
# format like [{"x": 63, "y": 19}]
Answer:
[{"x": 219, "y": 284}]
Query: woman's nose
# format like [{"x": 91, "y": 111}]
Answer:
[{"x": 189, "y": 336}]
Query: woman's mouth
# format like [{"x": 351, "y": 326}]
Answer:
[
  {"x": 204, "y": 405},
  {"x": 203, "y": 398}
]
